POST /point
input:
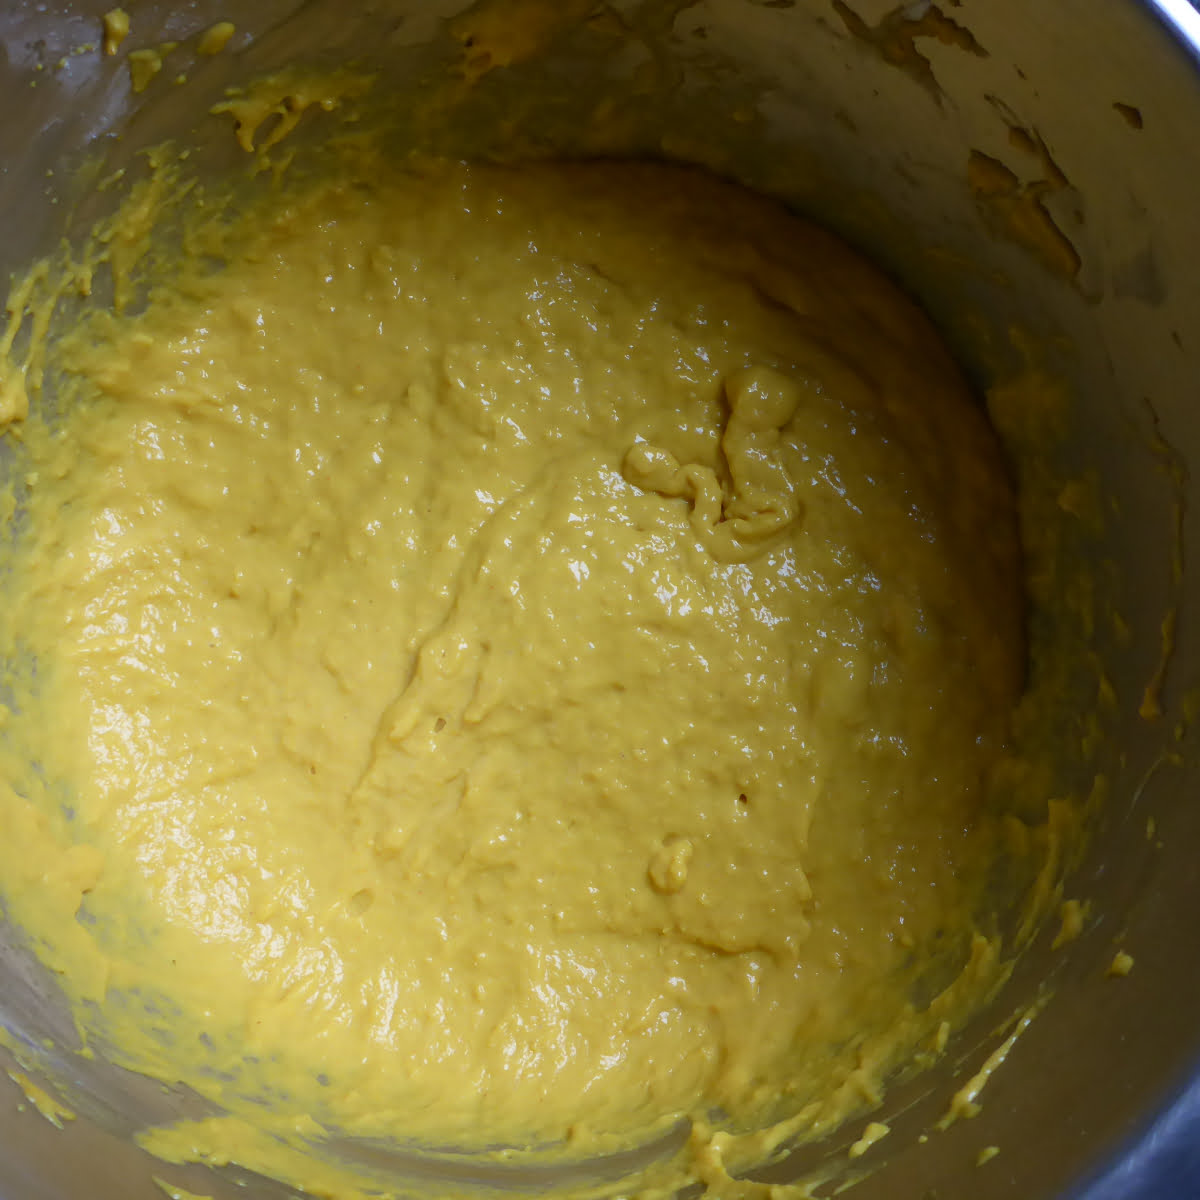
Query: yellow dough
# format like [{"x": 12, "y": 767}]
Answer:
[{"x": 515, "y": 655}]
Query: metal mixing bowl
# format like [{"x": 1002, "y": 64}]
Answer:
[{"x": 874, "y": 118}]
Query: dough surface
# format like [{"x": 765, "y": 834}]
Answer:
[{"x": 516, "y": 655}]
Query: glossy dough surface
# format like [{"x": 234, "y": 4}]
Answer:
[{"x": 517, "y": 656}]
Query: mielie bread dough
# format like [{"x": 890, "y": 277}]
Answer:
[{"x": 513, "y": 658}]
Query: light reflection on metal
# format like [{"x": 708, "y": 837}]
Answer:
[{"x": 1185, "y": 17}]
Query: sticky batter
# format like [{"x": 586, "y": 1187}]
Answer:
[{"x": 515, "y": 658}]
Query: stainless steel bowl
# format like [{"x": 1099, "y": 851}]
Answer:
[{"x": 932, "y": 136}]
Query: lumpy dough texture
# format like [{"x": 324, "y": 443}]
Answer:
[{"x": 519, "y": 653}]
